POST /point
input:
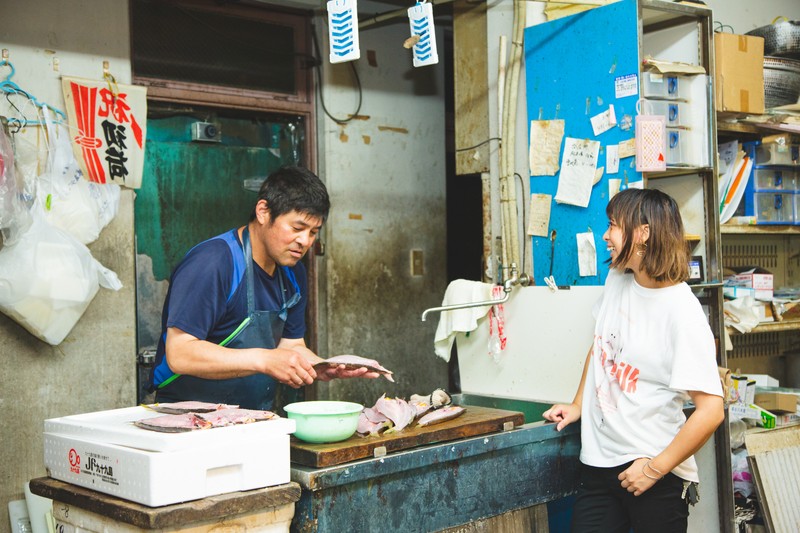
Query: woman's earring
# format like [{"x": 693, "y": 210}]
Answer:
[{"x": 641, "y": 248}]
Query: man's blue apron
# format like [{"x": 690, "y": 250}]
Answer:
[{"x": 261, "y": 329}]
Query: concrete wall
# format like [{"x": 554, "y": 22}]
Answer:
[
  {"x": 385, "y": 170},
  {"x": 745, "y": 15},
  {"x": 94, "y": 367},
  {"x": 386, "y": 174}
]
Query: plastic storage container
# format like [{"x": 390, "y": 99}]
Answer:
[
  {"x": 677, "y": 113},
  {"x": 796, "y": 201},
  {"x": 676, "y": 146},
  {"x": 664, "y": 86},
  {"x": 774, "y": 179},
  {"x": 774, "y": 207},
  {"x": 777, "y": 154}
]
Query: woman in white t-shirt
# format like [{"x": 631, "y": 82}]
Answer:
[{"x": 652, "y": 350}]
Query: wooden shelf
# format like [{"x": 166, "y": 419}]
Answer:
[
  {"x": 738, "y": 127},
  {"x": 678, "y": 171},
  {"x": 769, "y": 327},
  {"x": 761, "y": 229}
]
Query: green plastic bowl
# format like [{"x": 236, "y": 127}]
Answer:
[{"x": 324, "y": 421}]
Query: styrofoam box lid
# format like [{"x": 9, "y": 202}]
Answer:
[{"x": 116, "y": 427}]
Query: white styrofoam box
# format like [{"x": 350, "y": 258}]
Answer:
[
  {"x": 105, "y": 452},
  {"x": 72, "y": 519},
  {"x": 763, "y": 380},
  {"x": 115, "y": 426}
]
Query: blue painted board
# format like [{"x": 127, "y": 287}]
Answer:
[{"x": 571, "y": 65}]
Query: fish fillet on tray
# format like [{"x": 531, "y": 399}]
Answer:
[
  {"x": 121, "y": 427},
  {"x": 193, "y": 421}
]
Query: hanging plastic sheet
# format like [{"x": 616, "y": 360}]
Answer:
[
  {"x": 77, "y": 206},
  {"x": 48, "y": 279}
]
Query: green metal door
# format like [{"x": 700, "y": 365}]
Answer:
[{"x": 193, "y": 190}]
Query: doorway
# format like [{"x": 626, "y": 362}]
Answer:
[{"x": 195, "y": 187}]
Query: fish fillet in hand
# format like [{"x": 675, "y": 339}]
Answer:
[{"x": 354, "y": 361}]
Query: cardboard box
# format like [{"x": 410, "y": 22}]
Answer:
[
  {"x": 757, "y": 294},
  {"x": 105, "y": 452},
  {"x": 752, "y": 277},
  {"x": 777, "y": 402},
  {"x": 739, "y": 73}
]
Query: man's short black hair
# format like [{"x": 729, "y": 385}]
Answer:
[{"x": 294, "y": 189}]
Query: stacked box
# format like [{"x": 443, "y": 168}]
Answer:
[
  {"x": 771, "y": 195},
  {"x": 105, "y": 452}
]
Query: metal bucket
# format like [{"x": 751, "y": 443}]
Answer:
[
  {"x": 781, "y": 39},
  {"x": 781, "y": 81}
]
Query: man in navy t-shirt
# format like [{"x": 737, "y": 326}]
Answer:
[{"x": 234, "y": 317}]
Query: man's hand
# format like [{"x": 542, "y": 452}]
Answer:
[
  {"x": 563, "y": 414},
  {"x": 291, "y": 367},
  {"x": 328, "y": 373}
]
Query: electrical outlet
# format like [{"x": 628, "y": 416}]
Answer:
[{"x": 417, "y": 262}]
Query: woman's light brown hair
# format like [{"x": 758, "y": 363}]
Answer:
[{"x": 666, "y": 257}]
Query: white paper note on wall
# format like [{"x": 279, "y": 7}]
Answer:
[
  {"x": 604, "y": 121},
  {"x": 546, "y": 137},
  {"x": 539, "y": 215},
  {"x": 612, "y": 159},
  {"x": 578, "y": 167},
  {"x": 587, "y": 254}
]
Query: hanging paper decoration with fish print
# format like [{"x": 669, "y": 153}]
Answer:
[
  {"x": 107, "y": 122},
  {"x": 420, "y": 18},
  {"x": 343, "y": 30}
]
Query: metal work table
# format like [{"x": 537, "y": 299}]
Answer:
[{"x": 441, "y": 485}]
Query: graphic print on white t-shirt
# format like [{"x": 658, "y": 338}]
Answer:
[{"x": 617, "y": 375}]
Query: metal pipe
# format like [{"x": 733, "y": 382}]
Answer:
[
  {"x": 467, "y": 305},
  {"x": 521, "y": 279}
]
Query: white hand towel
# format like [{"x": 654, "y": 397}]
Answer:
[{"x": 460, "y": 291}]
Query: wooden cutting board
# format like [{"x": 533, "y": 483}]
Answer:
[{"x": 475, "y": 421}]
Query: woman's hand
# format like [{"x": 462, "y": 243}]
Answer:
[
  {"x": 634, "y": 480},
  {"x": 563, "y": 414}
]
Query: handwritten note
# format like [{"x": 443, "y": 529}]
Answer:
[
  {"x": 604, "y": 121},
  {"x": 546, "y": 137},
  {"x": 578, "y": 166},
  {"x": 539, "y": 215}
]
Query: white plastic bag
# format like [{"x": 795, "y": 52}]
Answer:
[
  {"x": 79, "y": 207},
  {"x": 14, "y": 214},
  {"x": 48, "y": 279}
]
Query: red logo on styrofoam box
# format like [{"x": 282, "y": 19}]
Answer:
[{"x": 74, "y": 461}]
